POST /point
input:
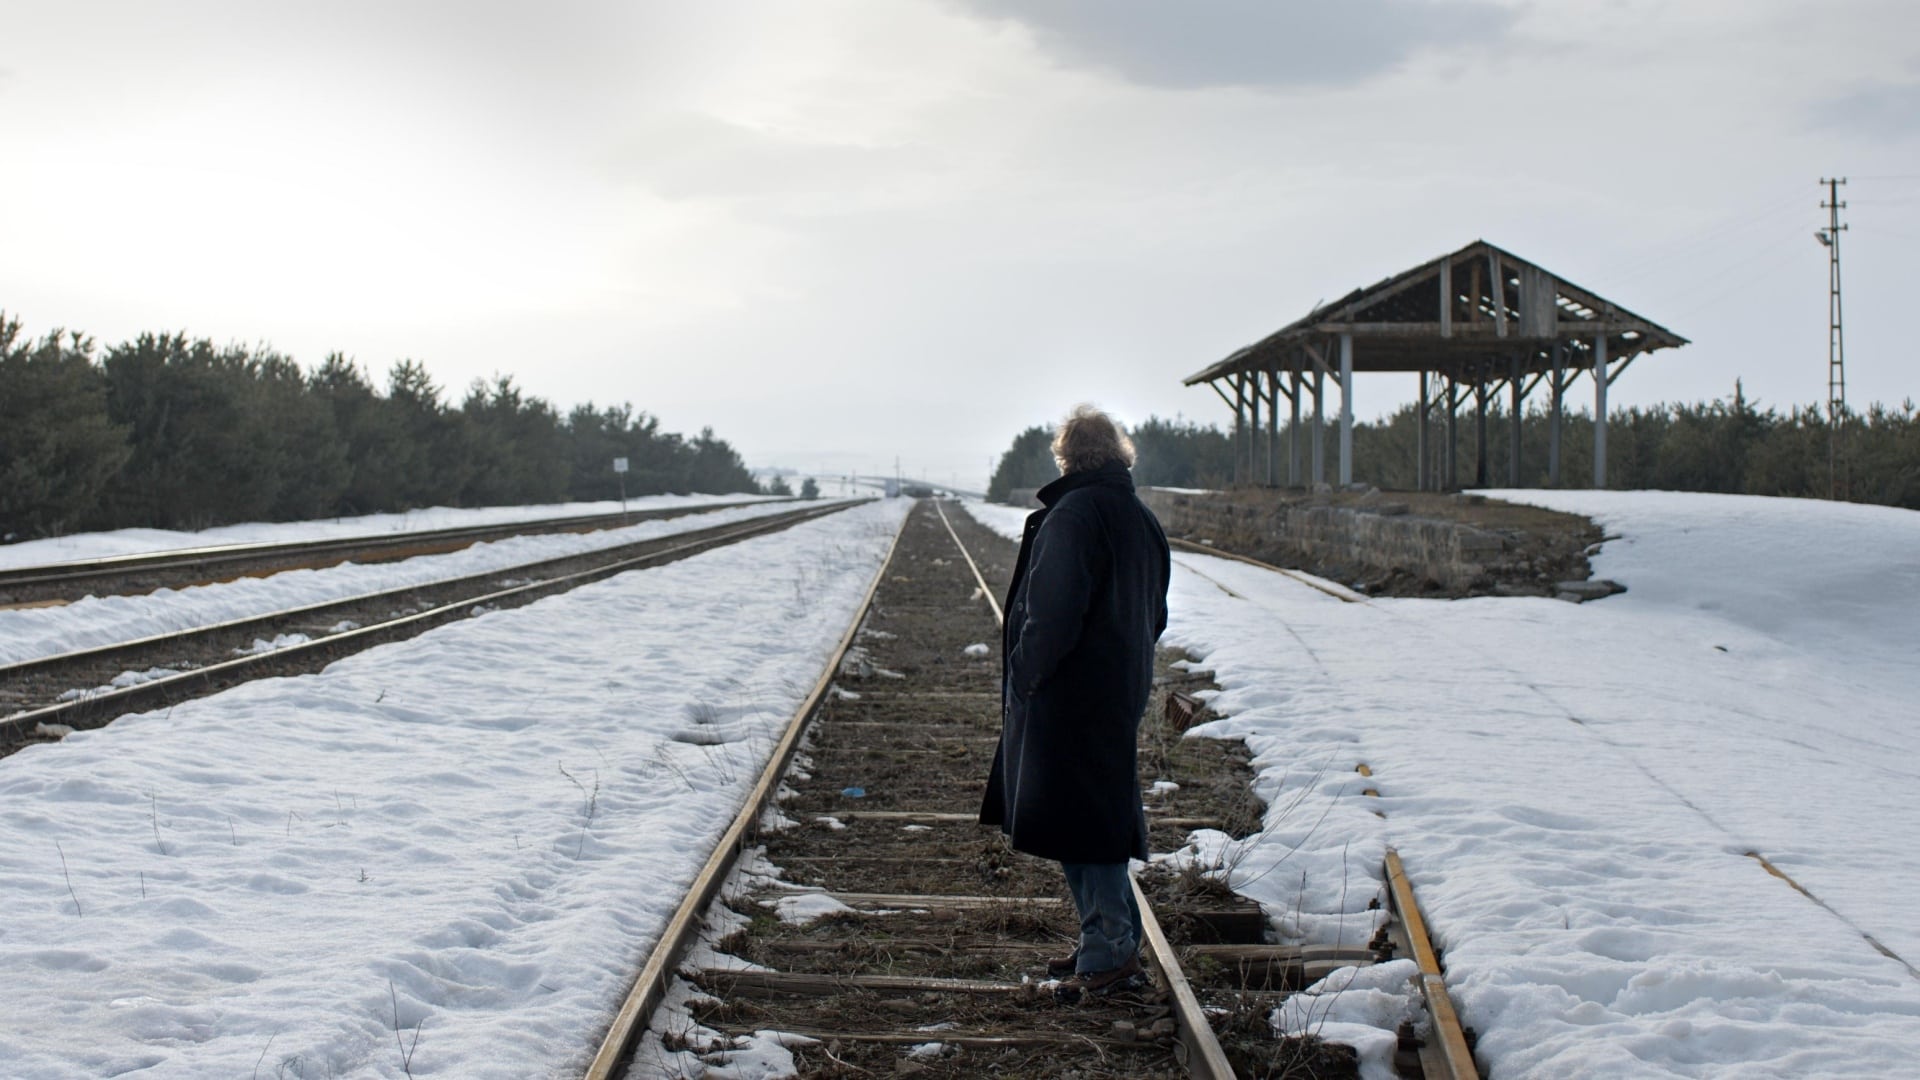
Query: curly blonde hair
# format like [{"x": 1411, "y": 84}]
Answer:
[{"x": 1088, "y": 439}]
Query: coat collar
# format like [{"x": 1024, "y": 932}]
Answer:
[{"x": 1112, "y": 474}]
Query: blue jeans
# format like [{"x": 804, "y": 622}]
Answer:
[{"x": 1109, "y": 919}]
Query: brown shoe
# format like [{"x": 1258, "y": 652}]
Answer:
[
  {"x": 1060, "y": 967},
  {"x": 1096, "y": 984}
]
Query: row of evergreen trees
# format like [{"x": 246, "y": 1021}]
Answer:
[
  {"x": 1724, "y": 445},
  {"x": 168, "y": 432}
]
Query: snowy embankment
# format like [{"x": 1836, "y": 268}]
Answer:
[
  {"x": 103, "y": 620},
  {"x": 484, "y": 826},
  {"x": 100, "y": 545},
  {"x": 1575, "y": 788}
]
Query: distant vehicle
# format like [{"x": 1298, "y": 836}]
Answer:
[{"x": 917, "y": 491}]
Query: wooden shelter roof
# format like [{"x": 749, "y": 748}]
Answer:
[{"x": 1499, "y": 307}]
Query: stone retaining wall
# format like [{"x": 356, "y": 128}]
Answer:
[{"x": 1370, "y": 539}]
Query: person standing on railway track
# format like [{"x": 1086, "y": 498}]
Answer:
[{"x": 1087, "y": 603}]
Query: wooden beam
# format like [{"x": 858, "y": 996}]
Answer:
[
  {"x": 765, "y": 983},
  {"x": 1319, "y": 361},
  {"x": 1417, "y": 276},
  {"x": 1452, "y": 464},
  {"x": 944, "y": 817},
  {"x": 968, "y": 1039},
  {"x": 867, "y": 901},
  {"x": 1480, "y": 434},
  {"x": 1273, "y": 967},
  {"x": 1569, "y": 328},
  {"x": 1610, "y": 312},
  {"x": 1559, "y": 388},
  {"x": 1446, "y": 297},
  {"x": 1517, "y": 395},
  {"x": 1499, "y": 292}
]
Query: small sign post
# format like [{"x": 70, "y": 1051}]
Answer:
[{"x": 620, "y": 468}]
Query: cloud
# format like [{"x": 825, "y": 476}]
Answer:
[
  {"x": 1254, "y": 43},
  {"x": 1879, "y": 110},
  {"x": 689, "y": 156}
]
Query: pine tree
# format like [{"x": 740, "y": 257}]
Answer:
[{"x": 59, "y": 448}]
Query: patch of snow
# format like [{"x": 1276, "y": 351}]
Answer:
[
  {"x": 280, "y": 641},
  {"x": 100, "y": 545},
  {"x": 1575, "y": 788},
  {"x": 402, "y": 816},
  {"x": 121, "y": 682},
  {"x": 803, "y": 908},
  {"x": 28, "y": 633},
  {"x": 1359, "y": 1006}
]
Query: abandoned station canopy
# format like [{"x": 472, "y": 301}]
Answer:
[{"x": 1470, "y": 323}]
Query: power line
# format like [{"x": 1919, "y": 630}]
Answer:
[{"x": 1662, "y": 256}]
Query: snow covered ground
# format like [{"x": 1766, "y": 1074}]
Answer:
[
  {"x": 469, "y": 836},
  {"x": 141, "y": 541},
  {"x": 1575, "y": 788},
  {"x": 100, "y": 620}
]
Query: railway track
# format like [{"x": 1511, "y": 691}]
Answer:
[
  {"x": 121, "y": 575},
  {"x": 856, "y": 908},
  {"x": 44, "y": 698}
]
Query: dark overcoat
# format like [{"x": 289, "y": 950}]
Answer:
[{"x": 1087, "y": 603}]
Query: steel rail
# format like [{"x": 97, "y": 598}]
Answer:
[
  {"x": 1449, "y": 1038},
  {"x": 124, "y": 699},
  {"x": 100, "y": 652},
  {"x": 618, "y": 1044},
  {"x": 1204, "y": 1056},
  {"x": 215, "y": 554},
  {"x": 999, "y": 616},
  {"x": 1337, "y": 591}
]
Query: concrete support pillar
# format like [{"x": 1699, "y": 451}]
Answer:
[
  {"x": 1346, "y": 409},
  {"x": 1600, "y": 410},
  {"x": 1293, "y": 428},
  {"x": 1251, "y": 452},
  {"x": 1420, "y": 442},
  {"x": 1239, "y": 426},
  {"x": 1319, "y": 447},
  {"x": 1273, "y": 428}
]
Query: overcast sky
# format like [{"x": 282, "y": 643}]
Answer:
[{"x": 842, "y": 230}]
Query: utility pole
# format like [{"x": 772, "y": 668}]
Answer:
[{"x": 1829, "y": 238}]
